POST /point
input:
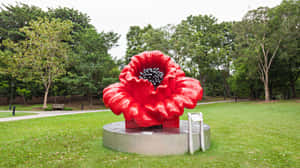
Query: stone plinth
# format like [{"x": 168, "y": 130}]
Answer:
[{"x": 153, "y": 141}]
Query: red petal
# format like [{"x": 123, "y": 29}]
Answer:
[
  {"x": 160, "y": 107},
  {"x": 184, "y": 101},
  {"x": 109, "y": 91},
  {"x": 145, "y": 120},
  {"x": 136, "y": 65},
  {"x": 133, "y": 111},
  {"x": 189, "y": 87},
  {"x": 172, "y": 108},
  {"x": 116, "y": 99}
]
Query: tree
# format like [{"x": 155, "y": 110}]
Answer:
[
  {"x": 42, "y": 55},
  {"x": 256, "y": 33},
  {"x": 201, "y": 46},
  {"x": 244, "y": 80},
  {"x": 286, "y": 19},
  {"x": 223, "y": 52},
  {"x": 80, "y": 20},
  {"x": 25, "y": 93},
  {"x": 91, "y": 63},
  {"x": 12, "y": 18},
  {"x": 135, "y": 41}
]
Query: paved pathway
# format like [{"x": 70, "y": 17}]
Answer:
[
  {"x": 46, "y": 114},
  {"x": 41, "y": 114},
  {"x": 213, "y": 102}
]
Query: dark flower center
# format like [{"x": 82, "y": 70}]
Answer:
[{"x": 153, "y": 75}]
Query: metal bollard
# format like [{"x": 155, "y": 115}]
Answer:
[
  {"x": 14, "y": 111},
  {"x": 9, "y": 108}
]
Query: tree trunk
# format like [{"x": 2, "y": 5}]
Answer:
[
  {"x": 226, "y": 89},
  {"x": 45, "y": 97},
  {"x": 224, "y": 92},
  {"x": 24, "y": 100},
  {"x": 294, "y": 93},
  {"x": 202, "y": 81},
  {"x": 266, "y": 83},
  {"x": 271, "y": 92},
  {"x": 11, "y": 91},
  {"x": 91, "y": 100}
]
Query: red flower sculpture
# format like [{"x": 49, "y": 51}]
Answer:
[{"x": 153, "y": 90}]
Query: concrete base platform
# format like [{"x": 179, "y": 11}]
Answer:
[{"x": 153, "y": 141}]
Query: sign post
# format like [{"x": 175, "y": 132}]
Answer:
[{"x": 196, "y": 117}]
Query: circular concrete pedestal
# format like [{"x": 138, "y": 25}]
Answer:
[{"x": 153, "y": 141}]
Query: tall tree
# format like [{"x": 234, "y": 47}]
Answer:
[
  {"x": 92, "y": 64},
  {"x": 80, "y": 20},
  {"x": 136, "y": 41},
  {"x": 197, "y": 42},
  {"x": 287, "y": 20},
  {"x": 255, "y": 31},
  {"x": 12, "y": 18},
  {"x": 42, "y": 55}
]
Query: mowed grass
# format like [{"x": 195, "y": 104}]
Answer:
[
  {"x": 20, "y": 107},
  {"x": 9, "y": 114},
  {"x": 247, "y": 134}
]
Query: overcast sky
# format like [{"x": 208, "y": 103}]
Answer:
[{"x": 119, "y": 15}]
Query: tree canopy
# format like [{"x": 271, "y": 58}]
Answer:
[{"x": 60, "y": 53}]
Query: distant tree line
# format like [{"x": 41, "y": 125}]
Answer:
[
  {"x": 257, "y": 57},
  {"x": 58, "y": 52}
]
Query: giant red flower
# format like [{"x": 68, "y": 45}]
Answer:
[{"x": 146, "y": 103}]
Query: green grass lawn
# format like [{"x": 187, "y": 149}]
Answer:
[
  {"x": 245, "y": 134},
  {"x": 21, "y": 107},
  {"x": 9, "y": 114}
]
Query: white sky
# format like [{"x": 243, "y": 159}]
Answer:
[{"x": 119, "y": 15}]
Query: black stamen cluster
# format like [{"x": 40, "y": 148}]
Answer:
[{"x": 153, "y": 75}]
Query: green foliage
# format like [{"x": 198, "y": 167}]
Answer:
[
  {"x": 68, "y": 109},
  {"x": 12, "y": 18},
  {"x": 24, "y": 93},
  {"x": 82, "y": 33},
  {"x": 4, "y": 86},
  {"x": 51, "y": 109},
  {"x": 80, "y": 20},
  {"x": 200, "y": 45},
  {"x": 42, "y": 55},
  {"x": 228, "y": 58},
  {"x": 90, "y": 63},
  {"x": 287, "y": 15},
  {"x": 268, "y": 47},
  {"x": 48, "y": 109}
]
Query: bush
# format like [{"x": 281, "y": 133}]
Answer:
[
  {"x": 48, "y": 109},
  {"x": 65, "y": 109},
  {"x": 68, "y": 109}
]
